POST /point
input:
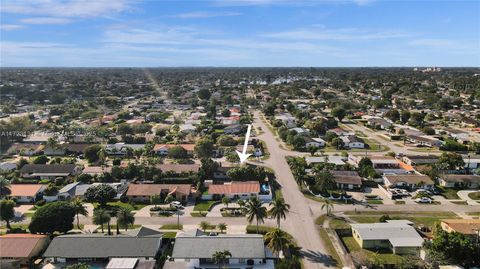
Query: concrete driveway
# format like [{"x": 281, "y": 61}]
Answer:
[{"x": 464, "y": 196}]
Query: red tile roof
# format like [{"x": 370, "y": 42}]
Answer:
[
  {"x": 19, "y": 245},
  {"x": 156, "y": 189},
  {"x": 25, "y": 189},
  {"x": 235, "y": 187}
]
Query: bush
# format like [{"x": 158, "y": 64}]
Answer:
[
  {"x": 384, "y": 218},
  {"x": 53, "y": 217},
  {"x": 117, "y": 161},
  {"x": 40, "y": 203},
  {"x": 124, "y": 199}
]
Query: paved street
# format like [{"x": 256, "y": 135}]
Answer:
[{"x": 300, "y": 221}]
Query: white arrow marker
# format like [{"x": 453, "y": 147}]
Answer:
[{"x": 243, "y": 155}]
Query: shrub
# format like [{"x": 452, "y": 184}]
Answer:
[{"x": 40, "y": 203}]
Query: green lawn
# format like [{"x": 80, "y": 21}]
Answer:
[
  {"x": 198, "y": 213},
  {"x": 171, "y": 227},
  {"x": 448, "y": 193},
  {"x": 474, "y": 195},
  {"x": 204, "y": 205},
  {"x": 330, "y": 248},
  {"x": 375, "y": 202},
  {"x": 119, "y": 204},
  {"x": 426, "y": 220},
  {"x": 399, "y": 202},
  {"x": 382, "y": 256},
  {"x": 460, "y": 202},
  {"x": 169, "y": 235}
]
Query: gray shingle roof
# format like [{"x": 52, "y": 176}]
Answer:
[
  {"x": 100, "y": 246},
  {"x": 241, "y": 246}
]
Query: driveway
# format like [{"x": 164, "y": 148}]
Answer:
[{"x": 464, "y": 196}]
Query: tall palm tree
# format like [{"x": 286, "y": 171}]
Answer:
[
  {"x": 241, "y": 202},
  {"x": 204, "y": 225},
  {"x": 220, "y": 257},
  {"x": 327, "y": 205},
  {"x": 100, "y": 217},
  {"x": 222, "y": 227},
  {"x": 279, "y": 209},
  {"x": 125, "y": 217},
  {"x": 4, "y": 186},
  {"x": 255, "y": 210},
  {"x": 277, "y": 241},
  {"x": 79, "y": 209}
]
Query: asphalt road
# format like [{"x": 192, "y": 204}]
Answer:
[{"x": 300, "y": 221}]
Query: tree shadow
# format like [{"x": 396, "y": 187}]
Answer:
[{"x": 318, "y": 257}]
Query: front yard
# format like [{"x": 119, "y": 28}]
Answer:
[{"x": 474, "y": 195}]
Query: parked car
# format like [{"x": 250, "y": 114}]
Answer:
[
  {"x": 424, "y": 200},
  {"x": 176, "y": 204}
]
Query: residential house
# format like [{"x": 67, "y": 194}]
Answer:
[
  {"x": 340, "y": 132},
  {"x": 96, "y": 170},
  {"x": 195, "y": 251},
  {"x": 459, "y": 181},
  {"x": 409, "y": 181},
  {"x": 178, "y": 168},
  {"x": 420, "y": 159},
  {"x": 397, "y": 235},
  {"x": 120, "y": 149},
  {"x": 78, "y": 189},
  {"x": 300, "y": 130},
  {"x": 349, "y": 180},
  {"x": 471, "y": 162},
  {"x": 25, "y": 149},
  {"x": 238, "y": 190},
  {"x": 463, "y": 226},
  {"x": 49, "y": 171},
  {"x": 143, "y": 192},
  {"x": 233, "y": 129},
  {"x": 26, "y": 193},
  {"x": 19, "y": 250},
  {"x": 379, "y": 123},
  {"x": 338, "y": 161},
  {"x": 424, "y": 141},
  {"x": 314, "y": 142},
  {"x": 221, "y": 173},
  {"x": 101, "y": 249},
  {"x": 8, "y": 166},
  {"x": 286, "y": 119},
  {"x": 353, "y": 142},
  {"x": 162, "y": 149}
]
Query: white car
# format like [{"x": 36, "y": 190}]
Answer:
[
  {"x": 176, "y": 204},
  {"x": 424, "y": 200}
]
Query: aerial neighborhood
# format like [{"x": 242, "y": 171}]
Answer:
[{"x": 143, "y": 168}]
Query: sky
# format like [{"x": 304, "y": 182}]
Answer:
[{"x": 238, "y": 33}]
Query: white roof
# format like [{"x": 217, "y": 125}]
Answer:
[
  {"x": 122, "y": 263},
  {"x": 399, "y": 233},
  {"x": 337, "y": 160}
]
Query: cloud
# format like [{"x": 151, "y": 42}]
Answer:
[
  {"x": 344, "y": 34},
  {"x": 203, "y": 14},
  {"x": 46, "y": 20},
  {"x": 458, "y": 46},
  {"x": 11, "y": 27},
  {"x": 68, "y": 8}
]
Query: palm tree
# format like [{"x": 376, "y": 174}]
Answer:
[
  {"x": 226, "y": 201},
  {"x": 255, "y": 210},
  {"x": 102, "y": 155},
  {"x": 241, "y": 202},
  {"x": 4, "y": 186},
  {"x": 222, "y": 227},
  {"x": 220, "y": 257},
  {"x": 279, "y": 209},
  {"x": 79, "y": 209},
  {"x": 100, "y": 217},
  {"x": 277, "y": 241},
  {"x": 125, "y": 218},
  {"x": 327, "y": 205},
  {"x": 204, "y": 225}
]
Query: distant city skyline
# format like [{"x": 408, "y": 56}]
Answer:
[{"x": 239, "y": 33}]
